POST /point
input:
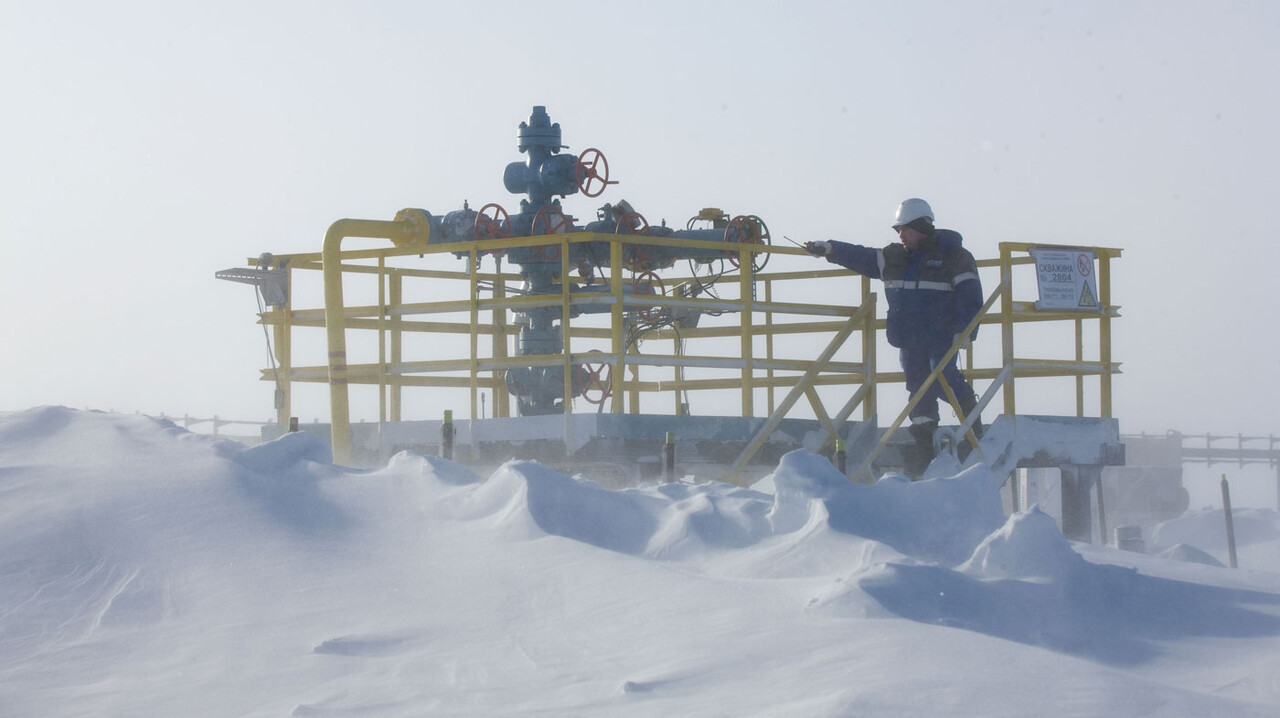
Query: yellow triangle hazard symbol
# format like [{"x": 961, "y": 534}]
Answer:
[{"x": 1086, "y": 297}]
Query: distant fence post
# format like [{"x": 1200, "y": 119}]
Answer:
[
  {"x": 669, "y": 458},
  {"x": 1231, "y": 527},
  {"x": 446, "y": 435}
]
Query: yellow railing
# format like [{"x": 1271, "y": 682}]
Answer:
[
  {"x": 758, "y": 314},
  {"x": 1013, "y": 312},
  {"x": 490, "y": 298}
]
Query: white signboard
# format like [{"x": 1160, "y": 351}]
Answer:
[{"x": 1066, "y": 279}]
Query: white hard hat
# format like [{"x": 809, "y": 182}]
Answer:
[{"x": 911, "y": 210}]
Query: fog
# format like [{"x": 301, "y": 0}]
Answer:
[{"x": 147, "y": 146}]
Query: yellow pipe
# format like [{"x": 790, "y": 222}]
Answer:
[{"x": 409, "y": 227}]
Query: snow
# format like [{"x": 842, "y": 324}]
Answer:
[{"x": 148, "y": 571}]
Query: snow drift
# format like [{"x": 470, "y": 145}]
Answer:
[{"x": 145, "y": 570}]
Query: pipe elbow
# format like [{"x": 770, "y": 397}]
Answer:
[
  {"x": 410, "y": 227},
  {"x": 338, "y": 231}
]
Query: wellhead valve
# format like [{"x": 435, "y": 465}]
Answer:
[{"x": 547, "y": 172}]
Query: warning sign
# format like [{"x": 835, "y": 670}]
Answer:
[{"x": 1066, "y": 279}]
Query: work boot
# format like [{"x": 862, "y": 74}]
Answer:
[{"x": 917, "y": 456}]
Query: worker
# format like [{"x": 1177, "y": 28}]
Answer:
[{"x": 933, "y": 291}]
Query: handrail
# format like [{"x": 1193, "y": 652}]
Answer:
[
  {"x": 1201, "y": 448},
  {"x": 961, "y": 339},
  {"x": 804, "y": 385},
  {"x": 749, "y": 369}
]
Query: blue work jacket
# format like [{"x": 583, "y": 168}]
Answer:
[{"x": 933, "y": 293}]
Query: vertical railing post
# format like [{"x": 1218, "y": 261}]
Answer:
[
  {"x": 283, "y": 332},
  {"x": 677, "y": 371},
  {"x": 1006, "y": 324},
  {"x": 473, "y": 317},
  {"x": 869, "y": 356},
  {"x": 498, "y": 349},
  {"x": 1080, "y": 377},
  {"x": 677, "y": 375},
  {"x": 566, "y": 335},
  {"x": 768, "y": 339},
  {"x": 617, "y": 347},
  {"x": 1104, "y": 329},
  {"x": 745, "y": 290},
  {"x": 382, "y": 341},
  {"x": 396, "y": 299}
]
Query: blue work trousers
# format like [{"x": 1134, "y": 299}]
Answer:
[{"x": 918, "y": 363}]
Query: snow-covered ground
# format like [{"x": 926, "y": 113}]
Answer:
[{"x": 147, "y": 571}]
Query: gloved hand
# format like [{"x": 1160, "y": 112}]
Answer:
[{"x": 818, "y": 249}]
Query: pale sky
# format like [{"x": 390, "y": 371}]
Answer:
[{"x": 143, "y": 146}]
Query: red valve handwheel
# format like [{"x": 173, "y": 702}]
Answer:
[
  {"x": 592, "y": 172},
  {"x": 749, "y": 229},
  {"x": 633, "y": 223},
  {"x": 550, "y": 220},
  {"x": 598, "y": 385},
  {"x": 641, "y": 255},
  {"x": 656, "y": 287},
  {"x": 492, "y": 227}
]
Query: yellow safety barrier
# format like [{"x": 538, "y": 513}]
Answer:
[{"x": 599, "y": 328}]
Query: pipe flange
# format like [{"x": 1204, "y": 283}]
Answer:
[{"x": 416, "y": 227}]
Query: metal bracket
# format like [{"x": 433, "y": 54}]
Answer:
[{"x": 273, "y": 283}]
